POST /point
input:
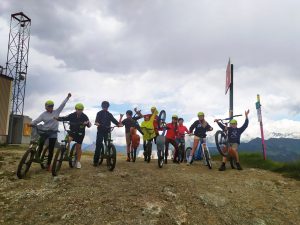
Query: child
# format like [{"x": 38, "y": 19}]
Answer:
[
  {"x": 148, "y": 129},
  {"x": 131, "y": 122},
  {"x": 50, "y": 124},
  {"x": 78, "y": 122},
  {"x": 172, "y": 132},
  {"x": 201, "y": 127},
  {"x": 234, "y": 135},
  {"x": 182, "y": 130},
  {"x": 103, "y": 122}
]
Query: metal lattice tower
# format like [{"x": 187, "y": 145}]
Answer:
[{"x": 17, "y": 58}]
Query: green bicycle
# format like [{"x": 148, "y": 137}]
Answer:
[
  {"x": 64, "y": 153},
  {"x": 109, "y": 152},
  {"x": 32, "y": 154}
]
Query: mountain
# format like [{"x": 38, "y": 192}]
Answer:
[
  {"x": 92, "y": 147},
  {"x": 278, "y": 149}
]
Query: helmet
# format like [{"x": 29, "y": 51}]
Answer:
[
  {"x": 79, "y": 106},
  {"x": 233, "y": 121},
  {"x": 200, "y": 114},
  {"x": 174, "y": 116},
  {"x": 105, "y": 104},
  {"x": 129, "y": 112},
  {"x": 49, "y": 103},
  {"x": 180, "y": 119}
]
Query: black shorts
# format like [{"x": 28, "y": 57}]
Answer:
[{"x": 78, "y": 138}]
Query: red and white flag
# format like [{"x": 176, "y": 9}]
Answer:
[{"x": 228, "y": 77}]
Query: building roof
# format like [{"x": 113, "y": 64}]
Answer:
[{"x": 6, "y": 77}]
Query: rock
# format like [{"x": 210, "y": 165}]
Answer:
[
  {"x": 212, "y": 199},
  {"x": 257, "y": 221},
  {"x": 152, "y": 208}
]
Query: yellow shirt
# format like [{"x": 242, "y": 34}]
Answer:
[{"x": 148, "y": 128}]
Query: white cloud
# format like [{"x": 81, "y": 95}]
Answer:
[{"x": 164, "y": 53}]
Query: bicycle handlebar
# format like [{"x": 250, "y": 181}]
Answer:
[{"x": 229, "y": 118}]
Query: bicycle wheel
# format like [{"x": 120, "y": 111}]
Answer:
[
  {"x": 161, "y": 118},
  {"x": 160, "y": 158},
  {"x": 207, "y": 158},
  {"x": 111, "y": 157},
  {"x": 149, "y": 151},
  {"x": 73, "y": 156},
  {"x": 44, "y": 157},
  {"x": 232, "y": 162},
  {"x": 101, "y": 157},
  {"x": 25, "y": 163},
  {"x": 221, "y": 142},
  {"x": 180, "y": 153},
  {"x": 58, "y": 159},
  {"x": 188, "y": 152}
]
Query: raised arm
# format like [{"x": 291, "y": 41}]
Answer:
[{"x": 62, "y": 105}]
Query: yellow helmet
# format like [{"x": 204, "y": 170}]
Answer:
[{"x": 200, "y": 114}]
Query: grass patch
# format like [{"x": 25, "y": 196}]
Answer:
[{"x": 255, "y": 160}]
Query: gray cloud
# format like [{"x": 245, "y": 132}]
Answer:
[{"x": 163, "y": 35}]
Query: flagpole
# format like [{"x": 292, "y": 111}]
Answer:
[
  {"x": 259, "y": 116},
  {"x": 231, "y": 93}
]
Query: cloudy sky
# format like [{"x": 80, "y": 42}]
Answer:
[{"x": 171, "y": 54}]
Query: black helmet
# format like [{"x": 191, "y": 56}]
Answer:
[
  {"x": 129, "y": 112},
  {"x": 180, "y": 119},
  {"x": 105, "y": 104}
]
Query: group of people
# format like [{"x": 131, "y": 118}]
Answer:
[{"x": 149, "y": 129}]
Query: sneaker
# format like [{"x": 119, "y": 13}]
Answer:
[
  {"x": 95, "y": 164},
  {"x": 166, "y": 161},
  {"x": 238, "y": 166},
  {"x": 188, "y": 163},
  {"x": 48, "y": 168},
  {"x": 78, "y": 165},
  {"x": 222, "y": 167},
  {"x": 128, "y": 159}
]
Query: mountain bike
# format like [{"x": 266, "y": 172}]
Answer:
[
  {"x": 205, "y": 153},
  {"x": 182, "y": 152},
  {"x": 109, "y": 152},
  {"x": 64, "y": 153},
  {"x": 160, "y": 139},
  {"x": 32, "y": 154},
  {"x": 222, "y": 141}
]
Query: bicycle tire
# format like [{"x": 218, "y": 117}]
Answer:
[
  {"x": 180, "y": 153},
  {"x": 58, "y": 159},
  {"x": 232, "y": 162},
  {"x": 72, "y": 156},
  {"x": 161, "y": 118},
  {"x": 160, "y": 158},
  {"x": 207, "y": 158},
  {"x": 188, "y": 151},
  {"x": 44, "y": 157},
  {"x": 26, "y": 161},
  {"x": 101, "y": 157},
  {"x": 149, "y": 151},
  {"x": 111, "y": 157},
  {"x": 221, "y": 142}
]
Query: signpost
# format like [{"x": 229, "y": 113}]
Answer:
[
  {"x": 229, "y": 85},
  {"x": 259, "y": 116}
]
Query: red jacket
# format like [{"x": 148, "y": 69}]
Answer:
[
  {"x": 172, "y": 131},
  {"x": 181, "y": 131}
]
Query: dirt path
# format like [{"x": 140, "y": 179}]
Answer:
[{"x": 141, "y": 193}]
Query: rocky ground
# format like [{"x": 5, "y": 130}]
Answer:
[{"x": 141, "y": 193}]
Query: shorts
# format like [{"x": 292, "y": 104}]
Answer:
[
  {"x": 202, "y": 140},
  {"x": 128, "y": 138},
  {"x": 234, "y": 145},
  {"x": 78, "y": 138}
]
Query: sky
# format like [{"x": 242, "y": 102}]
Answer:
[{"x": 171, "y": 54}]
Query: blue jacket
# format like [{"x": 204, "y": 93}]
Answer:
[{"x": 234, "y": 134}]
